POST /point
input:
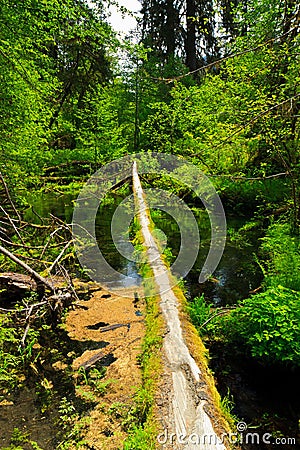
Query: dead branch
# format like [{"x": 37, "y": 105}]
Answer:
[
  {"x": 49, "y": 240},
  {"x": 27, "y": 308},
  {"x": 12, "y": 224},
  {"x": 218, "y": 313},
  {"x": 9, "y": 197},
  {"x": 36, "y": 215},
  {"x": 28, "y": 269},
  {"x": 60, "y": 255},
  {"x": 233, "y": 177},
  {"x": 22, "y": 343},
  {"x": 61, "y": 222},
  {"x": 69, "y": 282},
  {"x": 114, "y": 327},
  {"x": 34, "y": 225},
  {"x": 32, "y": 247}
]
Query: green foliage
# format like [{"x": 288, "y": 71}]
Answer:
[
  {"x": 140, "y": 439},
  {"x": 281, "y": 252},
  {"x": 18, "y": 437},
  {"x": 199, "y": 311},
  {"x": 53, "y": 58},
  {"x": 10, "y": 359},
  {"x": 227, "y": 406},
  {"x": 64, "y": 98},
  {"x": 94, "y": 379},
  {"x": 67, "y": 414},
  {"x": 268, "y": 325}
]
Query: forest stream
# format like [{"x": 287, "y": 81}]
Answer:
[{"x": 264, "y": 398}]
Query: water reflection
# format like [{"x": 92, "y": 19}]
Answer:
[{"x": 236, "y": 275}]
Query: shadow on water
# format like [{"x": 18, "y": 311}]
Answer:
[
  {"x": 35, "y": 409},
  {"x": 237, "y": 273},
  {"x": 266, "y": 398}
]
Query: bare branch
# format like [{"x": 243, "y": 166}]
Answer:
[
  {"x": 9, "y": 197},
  {"x": 60, "y": 255},
  {"x": 28, "y": 269}
]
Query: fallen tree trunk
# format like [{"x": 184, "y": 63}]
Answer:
[
  {"x": 186, "y": 413},
  {"x": 16, "y": 286},
  {"x": 36, "y": 276}
]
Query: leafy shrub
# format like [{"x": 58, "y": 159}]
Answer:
[
  {"x": 10, "y": 360},
  {"x": 283, "y": 257},
  {"x": 267, "y": 324},
  {"x": 199, "y": 311}
]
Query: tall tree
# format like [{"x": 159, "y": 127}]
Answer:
[
  {"x": 182, "y": 29},
  {"x": 161, "y": 28},
  {"x": 52, "y": 53}
]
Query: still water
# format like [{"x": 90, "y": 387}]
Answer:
[{"x": 236, "y": 275}]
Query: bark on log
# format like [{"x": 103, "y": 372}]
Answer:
[
  {"x": 28, "y": 269},
  {"x": 90, "y": 362},
  {"x": 16, "y": 286}
]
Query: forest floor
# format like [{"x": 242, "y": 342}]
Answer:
[{"x": 122, "y": 347}]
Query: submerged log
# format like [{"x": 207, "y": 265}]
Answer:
[
  {"x": 16, "y": 286},
  {"x": 91, "y": 361}
]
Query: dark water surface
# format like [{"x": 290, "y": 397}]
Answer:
[{"x": 236, "y": 275}]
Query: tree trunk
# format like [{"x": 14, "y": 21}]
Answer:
[
  {"x": 190, "y": 45},
  {"x": 170, "y": 29},
  {"x": 16, "y": 286}
]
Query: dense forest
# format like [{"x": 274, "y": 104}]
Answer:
[{"x": 217, "y": 83}]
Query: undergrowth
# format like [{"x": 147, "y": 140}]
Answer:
[{"x": 266, "y": 325}]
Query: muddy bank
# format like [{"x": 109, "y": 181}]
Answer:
[
  {"x": 82, "y": 384},
  {"x": 117, "y": 324}
]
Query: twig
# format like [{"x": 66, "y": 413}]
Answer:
[
  {"x": 37, "y": 215},
  {"x": 276, "y": 175},
  {"x": 34, "y": 225},
  {"x": 218, "y": 313},
  {"x": 49, "y": 240},
  {"x": 61, "y": 222},
  {"x": 60, "y": 256},
  {"x": 9, "y": 197},
  {"x": 22, "y": 343},
  {"x": 12, "y": 224},
  {"x": 35, "y": 305},
  {"x": 69, "y": 281},
  {"x": 33, "y": 247}
]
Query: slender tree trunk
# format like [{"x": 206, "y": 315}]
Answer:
[
  {"x": 136, "y": 113},
  {"x": 190, "y": 45},
  {"x": 170, "y": 29}
]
